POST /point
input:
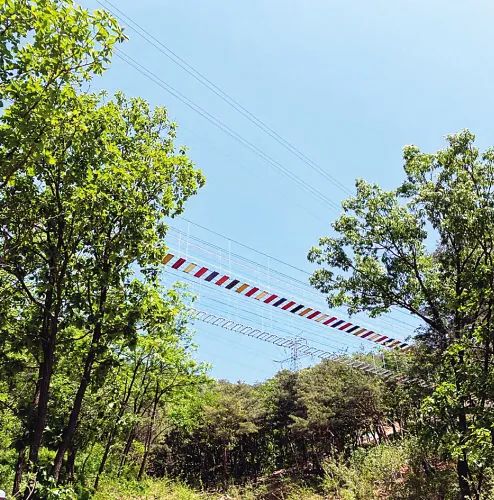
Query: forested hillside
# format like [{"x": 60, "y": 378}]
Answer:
[{"x": 101, "y": 393}]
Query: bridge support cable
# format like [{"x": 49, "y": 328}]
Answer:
[
  {"x": 291, "y": 307},
  {"x": 287, "y": 343}
]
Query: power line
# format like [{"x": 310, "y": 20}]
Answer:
[
  {"x": 225, "y": 128},
  {"x": 218, "y": 123},
  {"x": 234, "y": 326},
  {"x": 302, "y": 296},
  {"x": 233, "y": 103},
  {"x": 285, "y": 342}
]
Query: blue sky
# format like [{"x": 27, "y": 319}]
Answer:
[{"x": 348, "y": 82}]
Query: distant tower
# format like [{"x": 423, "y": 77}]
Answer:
[{"x": 295, "y": 354}]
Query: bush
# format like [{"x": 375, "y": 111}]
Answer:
[
  {"x": 398, "y": 471},
  {"x": 370, "y": 473},
  {"x": 147, "y": 488}
]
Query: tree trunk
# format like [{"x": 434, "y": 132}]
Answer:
[
  {"x": 19, "y": 470},
  {"x": 142, "y": 468},
  {"x": 149, "y": 435},
  {"x": 104, "y": 458},
  {"x": 70, "y": 465},
  {"x": 128, "y": 445},
  {"x": 225, "y": 466},
  {"x": 463, "y": 473},
  {"x": 138, "y": 407},
  {"x": 71, "y": 427},
  {"x": 43, "y": 393},
  {"x": 113, "y": 431},
  {"x": 48, "y": 337},
  {"x": 462, "y": 468},
  {"x": 83, "y": 468}
]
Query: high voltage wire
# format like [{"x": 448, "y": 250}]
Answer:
[
  {"x": 334, "y": 348},
  {"x": 285, "y": 342},
  {"x": 222, "y": 126},
  {"x": 153, "y": 77},
  {"x": 217, "y": 122},
  {"x": 328, "y": 343},
  {"x": 233, "y": 103},
  {"x": 237, "y": 327},
  {"x": 333, "y": 343},
  {"x": 327, "y": 340}
]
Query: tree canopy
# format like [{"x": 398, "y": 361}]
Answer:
[
  {"x": 427, "y": 247},
  {"x": 49, "y": 49},
  {"x": 88, "y": 183}
]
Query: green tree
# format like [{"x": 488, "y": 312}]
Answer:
[
  {"x": 48, "y": 49},
  {"x": 78, "y": 223},
  {"x": 86, "y": 186},
  {"x": 339, "y": 407},
  {"x": 427, "y": 247},
  {"x": 291, "y": 422}
]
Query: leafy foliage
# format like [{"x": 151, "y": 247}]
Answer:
[
  {"x": 48, "y": 49},
  {"x": 292, "y": 422},
  {"x": 427, "y": 247},
  {"x": 87, "y": 183}
]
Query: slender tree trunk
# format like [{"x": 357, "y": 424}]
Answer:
[
  {"x": 125, "y": 453},
  {"x": 70, "y": 465},
  {"x": 121, "y": 411},
  {"x": 462, "y": 468},
  {"x": 149, "y": 435},
  {"x": 43, "y": 392},
  {"x": 102, "y": 464},
  {"x": 48, "y": 337},
  {"x": 71, "y": 427},
  {"x": 225, "y": 466},
  {"x": 463, "y": 472},
  {"x": 83, "y": 468},
  {"x": 19, "y": 470},
  {"x": 142, "y": 468},
  {"x": 138, "y": 407}
]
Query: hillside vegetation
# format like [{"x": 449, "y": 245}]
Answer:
[{"x": 100, "y": 393}]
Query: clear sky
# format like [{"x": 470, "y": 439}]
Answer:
[{"x": 348, "y": 82}]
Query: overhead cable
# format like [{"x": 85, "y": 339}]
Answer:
[
  {"x": 224, "y": 96},
  {"x": 225, "y": 128},
  {"x": 288, "y": 343}
]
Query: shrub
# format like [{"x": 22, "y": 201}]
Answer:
[{"x": 370, "y": 473}]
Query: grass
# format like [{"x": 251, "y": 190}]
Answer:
[
  {"x": 164, "y": 489},
  {"x": 146, "y": 490}
]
